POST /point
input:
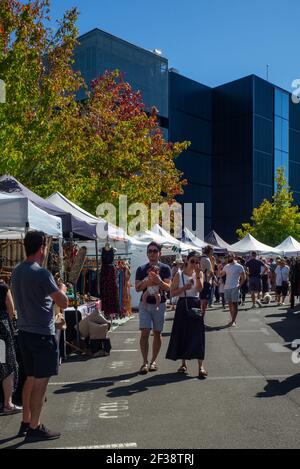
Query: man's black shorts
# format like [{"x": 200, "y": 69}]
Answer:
[
  {"x": 282, "y": 290},
  {"x": 205, "y": 294},
  {"x": 39, "y": 354}
]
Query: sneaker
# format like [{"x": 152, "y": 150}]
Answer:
[
  {"x": 23, "y": 429},
  {"x": 259, "y": 303},
  {"x": 41, "y": 433}
]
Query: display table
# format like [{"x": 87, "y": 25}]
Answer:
[{"x": 73, "y": 317}]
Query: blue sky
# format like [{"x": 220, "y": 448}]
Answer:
[{"x": 211, "y": 41}]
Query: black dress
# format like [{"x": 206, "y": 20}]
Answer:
[
  {"x": 108, "y": 283},
  {"x": 6, "y": 334},
  {"x": 187, "y": 340}
]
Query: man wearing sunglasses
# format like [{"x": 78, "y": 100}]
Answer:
[{"x": 150, "y": 316}]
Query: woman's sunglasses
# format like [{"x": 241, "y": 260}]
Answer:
[{"x": 194, "y": 261}]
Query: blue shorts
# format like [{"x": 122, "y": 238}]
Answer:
[
  {"x": 39, "y": 354},
  {"x": 151, "y": 318},
  {"x": 232, "y": 295}
]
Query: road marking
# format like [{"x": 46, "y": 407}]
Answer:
[
  {"x": 111, "y": 446},
  {"x": 130, "y": 341},
  {"x": 86, "y": 383},
  {"x": 263, "y": 330},
  {"x": 113, "y": 410},
  {"x": 277, "y": 347},
  {"x": 127, "y": 350}
]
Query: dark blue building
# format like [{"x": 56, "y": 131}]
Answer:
[{"x": 240, "y": 132}]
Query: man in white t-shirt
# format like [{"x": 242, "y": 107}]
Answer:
[
  {"x": 282, "y": 273},
  {"x": 235, "y": 277}
]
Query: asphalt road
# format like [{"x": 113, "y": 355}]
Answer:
[{"x": 251, "y": 398}]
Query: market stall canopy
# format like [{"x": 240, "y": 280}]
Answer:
[
  {"x": 183, "y": 247},
  {"x": 71, "y": 224},
  {"x": 103, "y": 228},
  {"x": 249, "y": 243},
  {"x": 192, "y": 239},
  {"x": 214, "y": 239},
  {"x": 18, "y": 214},
  {"x": 290, "y": 247}
]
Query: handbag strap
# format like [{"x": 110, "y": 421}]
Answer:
[{"x": 186, "y": 302}]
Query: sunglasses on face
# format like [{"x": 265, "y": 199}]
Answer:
[
  {"x": 194, "y": 261},
  {"x": 152, "y": 251}
]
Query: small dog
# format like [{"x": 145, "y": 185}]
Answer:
[{"x": 267, "y": 298}]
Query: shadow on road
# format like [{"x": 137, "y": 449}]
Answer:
[
  {"x": 289, "y": 327},
  {"x": 93, "y": 384},
  {"x": 280, "y": 388},
  {"x": 141, "y": 386}
]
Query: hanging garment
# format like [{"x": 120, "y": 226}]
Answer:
[{"x": 108, "y": 284}]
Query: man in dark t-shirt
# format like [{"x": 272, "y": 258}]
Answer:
[
  {"x": 151, "y": 316},
  {"x": 255, "y": 268},
  {"x": 35, "y": 291}
]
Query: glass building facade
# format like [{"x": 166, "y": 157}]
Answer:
[
  {"x": 240, "y": 132},
  {"x": 281, "y": 132},
  {"x": 146, "y": 71}
]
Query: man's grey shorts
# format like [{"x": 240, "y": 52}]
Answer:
[
  {"x": 232, "y": 295},
  {"x": 255, "y": 284},
  {"x": 151, "y": 318}
]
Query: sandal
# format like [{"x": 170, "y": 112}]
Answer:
[
  {"x": 182, "y": 369},
  {"x": 144, "y": 369},
  {"x": 202, "y": 373},
  {"x": 153, "y": 367},
  {"x": 14, "y": 409}
]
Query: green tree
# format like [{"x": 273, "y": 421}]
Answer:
[
  {"x": 273, "y": 221},
  {"x": 91, "y": 151}
]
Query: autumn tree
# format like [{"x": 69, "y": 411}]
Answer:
[
  {"x": 272, "y": 222},
  {"x": 91, "y": 151},
  {"x": 130, "y": 155}
]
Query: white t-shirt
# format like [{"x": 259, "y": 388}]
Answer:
[
  {"x": 189, "y": 293},
  {"x": 282, "y": 275},
  {"x": 233, "y": 272}
]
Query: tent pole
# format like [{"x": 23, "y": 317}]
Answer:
[
  {"x": 97, "y": 272},
  {"x": 61, "y": 256}
]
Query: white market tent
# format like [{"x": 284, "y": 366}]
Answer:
[
  {"x": 184, "y": 247},
  {"x": 249, "y": 243},
  {"x": 196, "y": 242},
  {"x": 103, "y": 228},
  {"x": 290, "y": 247},
  {"x": 18, "y": 214}
]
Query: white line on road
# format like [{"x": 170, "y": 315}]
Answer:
[
  {"x": 111, "y": 446},
  {"x": 165, "y": 380},
  {"x": 127, "y": 350}
]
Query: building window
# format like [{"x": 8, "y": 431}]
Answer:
[{"x": 281, "y": 132}]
